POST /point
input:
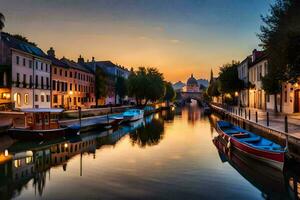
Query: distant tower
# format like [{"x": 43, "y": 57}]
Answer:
[
  {"x": 80, "y": 60},
  {"x": 211, "y": 76},
  {"x": 51, "y": 52}
]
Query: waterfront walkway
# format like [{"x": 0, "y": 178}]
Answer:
[{"x": 276, "y": 120}]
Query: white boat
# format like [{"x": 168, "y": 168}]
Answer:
[{"x": 133, "y": 115}]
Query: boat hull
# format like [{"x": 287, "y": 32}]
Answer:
[
  {"x": 133, "y": 118},
  {"x": 26, "y": 134},
  {"x": 273, "y": 159}
]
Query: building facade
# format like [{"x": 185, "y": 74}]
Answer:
[
  {"x": 243, "y": 98},
  {"x": 258, "y": 69},
  {"x": 113, "y": 71},
  {"x": 25, "y": 77},
  {"x": 73, "y": 84},
  {"x": 291, "y": 97},
  {"x": 192, "y": 85}
]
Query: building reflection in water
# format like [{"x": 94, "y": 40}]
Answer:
[{"x": 33, "y": 161}]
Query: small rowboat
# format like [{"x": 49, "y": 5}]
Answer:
[
  {"x": 251, "y": 144},
  {"x": 111, "y": 122},
  {"x": 133, "y": 115}
]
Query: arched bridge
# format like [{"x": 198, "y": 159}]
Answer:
[{"x": 185, "y": 96}]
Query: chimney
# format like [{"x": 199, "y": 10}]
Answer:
[
  {"x": 254, "y": 52},
  {"x": 80, "y": 60},
  {"x": 51, "y": 52}
]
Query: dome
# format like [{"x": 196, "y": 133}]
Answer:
[{"x": 192, "y": 81}]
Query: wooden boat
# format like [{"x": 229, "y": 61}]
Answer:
[
  {"x": 251, "y": 144},
  {"x": 111, "y": 121},
  {"x": 42, "y": 124},
  {"x": 133, "y": 115}
]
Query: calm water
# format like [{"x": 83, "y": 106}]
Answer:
[{"x": 171, "y": 155}]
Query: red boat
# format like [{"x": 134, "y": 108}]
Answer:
[{"x": 252, "y": 145}]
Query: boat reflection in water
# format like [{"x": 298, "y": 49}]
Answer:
[
  {"x": 31, "y": 161},
  {"x": 268, "y": 180}
]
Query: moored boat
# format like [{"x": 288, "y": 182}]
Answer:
[
  {"x": 111, "y": 122},
  {"x": 42, "y": 124},
  {"x": 133, "y": 115},
  {"x": 252, "y": 145}
]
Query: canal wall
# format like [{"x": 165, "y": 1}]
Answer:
[{"x": 292, "y": 142}]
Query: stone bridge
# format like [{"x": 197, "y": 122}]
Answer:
[{"x": 185, "y": 96}]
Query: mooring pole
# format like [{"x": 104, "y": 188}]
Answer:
[
  {"x": 286, "y": 128},
  {"x": 268, "y": 123},
  {"x": 249, "y": 115},
  {"x": 79, "y": 110},
  {"x": 256, "y": 117},
  {"x": 245, "y": 114}
]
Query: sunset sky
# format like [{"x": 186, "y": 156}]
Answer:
[{"x": 178, "y": 37}]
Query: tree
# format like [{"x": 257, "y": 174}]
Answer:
[
  {"x": 121, "y": 87},
  {"x": 146, "y": 84},
  {"x": 2, "y": 19},
  {"x": 280, "y": 38},
  {"x": 213, "y": 89},
  {"x": 100, "y": 84},
  {"x": 228, "y": 79},
  {"x": 169, "y": 93}
]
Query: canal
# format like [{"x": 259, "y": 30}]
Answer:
[{"x": 171, "y": 155}]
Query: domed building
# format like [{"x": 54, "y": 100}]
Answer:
[{"x": 192, "y": 85}]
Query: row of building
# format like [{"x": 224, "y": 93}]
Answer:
[
  {"x": 30, "y": 78},
  {"x": 251, "y": 70}
]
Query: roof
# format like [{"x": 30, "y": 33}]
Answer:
[
  {"x": 192, "y": 81},
  {"x": 75, "y": 65},
  {"x": 106, "y": 63},
  {"x": 14, "y": 43},
  {"x": 57, "y": 62},
  {"x": 42, "y": 110},
  {"x": 259, "y": 58}
]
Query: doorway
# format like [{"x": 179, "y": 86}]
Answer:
[{"x": 297, "y": 101}]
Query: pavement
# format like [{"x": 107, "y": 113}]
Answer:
[{"x": 276, "y": 120}]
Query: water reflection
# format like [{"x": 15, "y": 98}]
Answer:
[
  {"x": 149, "y": 135},
  {"x": 180, "y": 161},
  {"x": 268, "y": 180}
]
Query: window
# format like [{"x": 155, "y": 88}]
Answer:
[
  {"x": 47, "y": 83},
  {"x": 24, "y": 62},
  {"x": 24, "y": 80},
  {"x": 54, "y": 98},
  {"x": 60, "y": 72},
  {"x": 18, "y": 60},
  {"x": 70, "y": 74},
  {"x": 75, "y": 87},
  {"x": 36, "y": 81},
  {"x": 70, "y": 86},
  {"x": 36, "y": 64},
  {"x": 18, "y": 80},
  {"x": 75, "y": 75},
  {"x": 26, "y": 99},
  {"x": 30, "y": 81},
  {"x": 42, "y": 66},
  {"x": 36, "y": 98},
  {"x": 48, "y": 98},
  {"x": 66, "y": 73},
  {"x": 42, "y": 98},
  {"x": 17, "y": 98},
  {"x": 46, "y": 67},
  {"x": 55, "y": 71},
  {"x": 30, "y": 63},
  {"x": 285, "y": 96},
  {"x": 54, "y": 85},
  {"x": 58, "y": 86},
  {"x": 268, "y": 98},
  {"x": 78, "y": 99},
  {"x": 42, "y": 82}
]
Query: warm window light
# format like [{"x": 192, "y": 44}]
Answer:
[
  {"x": 236, "y": 94},
  {"x": 71, "y": 93},
  {"x": 6, "y": 152},
  {"x": 296, "y": 85},
  {"x": 66, "y": 145}
]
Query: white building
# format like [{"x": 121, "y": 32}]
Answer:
[
  {"x": 243, "y": 75},
  {"x": 28, "y": 80},
  {"x": 258, "y": 69}
]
